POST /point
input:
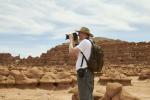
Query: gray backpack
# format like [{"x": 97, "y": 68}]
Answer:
[{"x": 95, "y": 62}]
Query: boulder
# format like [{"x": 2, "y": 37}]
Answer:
[
  {"x": 4, "y": 71},
  {"x": 34, "y": 72},
  {"x": 113, "y": 88},
  {"x": 145, "y": 74},
  {"x": 61, "y": 75},
  {"x": 115, "y": 91},
  {"x": 47, "y": 78},
  {"x": 10, "y": 80},
  {"x": 17, "y": 74},
  {"x": 3, "y": 79},
  {"x": 20, "y": 78},
  {"x": 124, "y": 95}
]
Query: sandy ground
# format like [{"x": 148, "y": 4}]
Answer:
[{"x": 140, "y": 89}]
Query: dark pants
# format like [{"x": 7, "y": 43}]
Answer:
[{"x": 86, "y": 85}]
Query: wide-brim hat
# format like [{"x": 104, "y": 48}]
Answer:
[{"x": 85, "y": 30}]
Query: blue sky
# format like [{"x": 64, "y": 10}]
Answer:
[{"x": 30, "y": 27}]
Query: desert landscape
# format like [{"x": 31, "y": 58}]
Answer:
[{"x": 52, "y": 76}]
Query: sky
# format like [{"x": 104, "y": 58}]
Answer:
[{"x": 31, "y": 27}]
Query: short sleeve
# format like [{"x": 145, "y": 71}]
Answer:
[{"x": 82, "y": 45}]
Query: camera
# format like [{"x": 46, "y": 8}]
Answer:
[{"x": 75, "y": 36}]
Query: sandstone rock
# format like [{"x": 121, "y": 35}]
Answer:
[
  {"x": 26, "y": 81},
  {"x": 34, "y": 72},
  {"x": 63, "y": 80},
  {"x": 20, "y": 78},
  {"x": 60, "y": 80},
  {"x": 145, "y": 74},
  {"x": 97, "y": 95},
  {"x": 74, "y": 90},
  {"x": 17, "y": 74},
  {"x": 10, "y": 80},
  {"x": 105, "y": 97},
  {"x": 113, "y": 88},
  {"x": 116, "y": 97},
  {"x": 123, "y": 81},
  {"x": 6, "y": 59},
  {"x": 74, "y": 80},
  {"x": 3, "y": 79},
  {"x": 124, "y": 95},
  {"x": 116, "y": 52},
  {"x": 4, "y": 71},
  {"x": 114, "y": 91},
  {"x": 112, "y": 75},
  {"x": 47, "y": 78},
  {"x": 61, "y": 75}
]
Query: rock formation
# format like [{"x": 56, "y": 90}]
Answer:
[
  {"x": 115, "y": 91},
  {"x": 115, "y": 52}
]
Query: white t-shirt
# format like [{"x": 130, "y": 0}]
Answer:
[{"x": 84, "y": 46}]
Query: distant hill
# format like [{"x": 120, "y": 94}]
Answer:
[
  {"x": 105, "y": 39},
  {"x": 101, "y": 38}
]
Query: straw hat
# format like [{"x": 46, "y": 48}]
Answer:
[{"x": 85, "y": 30}]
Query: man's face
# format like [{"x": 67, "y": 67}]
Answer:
[{"x": 81, "y": 35}]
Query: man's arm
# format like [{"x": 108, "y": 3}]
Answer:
[{"x": 73, "y": 51}]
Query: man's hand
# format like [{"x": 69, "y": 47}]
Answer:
[
  {"x": 71, "y": 45},
  {"x": 72, "y": 49},
  {"x": 71, "y": 37}
]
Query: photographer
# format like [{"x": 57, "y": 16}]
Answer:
[{"x": 85, "y": 77}]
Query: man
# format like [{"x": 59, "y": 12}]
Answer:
[{"x": 85, "y": 77}]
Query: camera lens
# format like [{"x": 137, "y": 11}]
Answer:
[
  {"x": 75, "y": 36},
  {"x": 67, "y": 36}
]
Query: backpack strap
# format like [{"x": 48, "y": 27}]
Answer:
[
  {"x": 82, "y": 59},
  {"x": 83, "y": 56},
  {"x": 91, "y": 42}
]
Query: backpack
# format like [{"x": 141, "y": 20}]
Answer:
[{"x": 95, "y": 62}]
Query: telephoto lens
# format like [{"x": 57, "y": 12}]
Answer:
[
  {"x": 75, "y": 36},
  {"x": 67, "y": 36}
]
